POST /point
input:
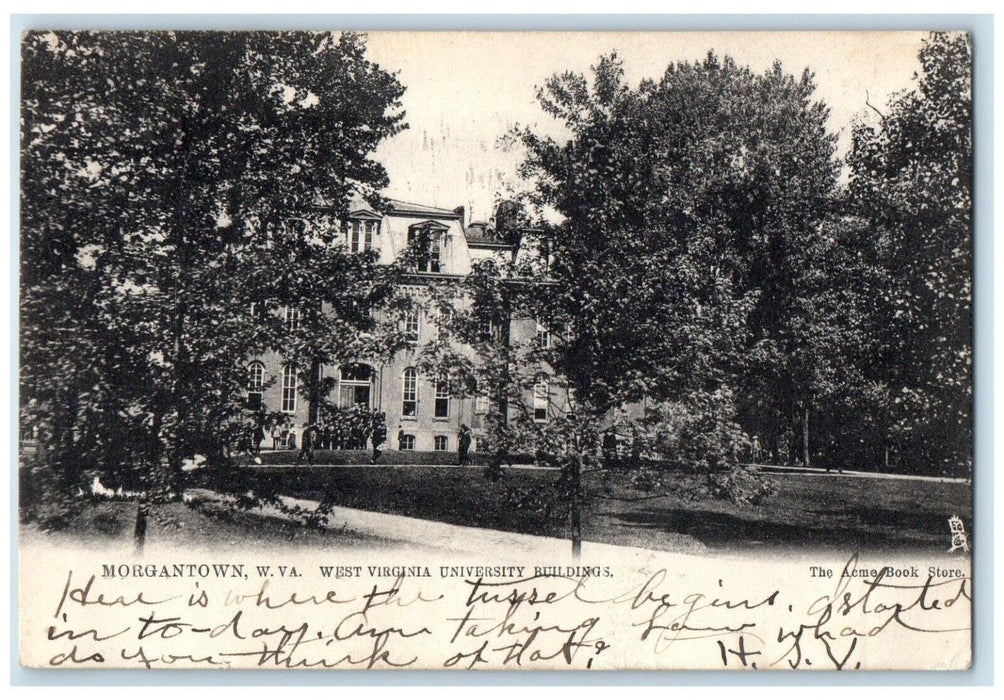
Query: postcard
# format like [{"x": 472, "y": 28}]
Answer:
[{"x": 503, "y": 351}]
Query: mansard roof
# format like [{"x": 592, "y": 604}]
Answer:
[
  {"x": 400, "y": 208},
  {"x": 476, "y": 234}
]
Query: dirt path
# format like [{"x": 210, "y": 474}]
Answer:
[{"x": 428, "y": 536}]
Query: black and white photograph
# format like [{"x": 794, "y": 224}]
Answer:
[{"x": 497, "y": 350}]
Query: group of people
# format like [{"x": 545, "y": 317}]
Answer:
[
  {"x": 318, "y": 437},
  {"x": 314, "y": 437}
]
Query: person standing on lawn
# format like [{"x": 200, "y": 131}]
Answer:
[
  {"x": 258, "y": 437},
  {"x": 609, "y": 449},
  {"x": 379, "y": 434},
  {"x": 307, "y": 444},
  {"x": 463, "y": 444}
]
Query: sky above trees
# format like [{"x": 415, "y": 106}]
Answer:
[{"x": 466, "y": 89}]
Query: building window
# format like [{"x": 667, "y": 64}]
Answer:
[
  {"x": 442, "y": 397},
  {"x": 406, "y": 442},
  {"x": 543, "y": 337},
  {"x": 443, "y": 324},
  {"x": 368, "y": 236},
  {"x": 289, "y": 389},
  {"x": 256, "y": 384},
  {"x": 440, "y": 443},
  {"x": 486, "y": 329},
  {"x": 361, "y": 235},
  {"x": 435, "y": 254},
  {"x": 411, "y": 326},
  {"x": 430, "y": 259},
  {"x": 541, "y": 390},
  {"x": 292, "y": 316},
  {"x": 481, "y": 404},
  {"x": 480, "y": 399},
  {"x": 409, "y": 394},
  {"x": 355, "y": 385}
]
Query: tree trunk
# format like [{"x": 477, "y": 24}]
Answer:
[
  {"x": 501, "y": 448},
  {"x": 314, "y": 389},
  {"x": 171, "y": 437},
  {"x": 576, "y": 484},
  {"x": 793, "y": 447},
  {"x": 805, "y": 433},
  {"x": 139, "y": 533}
]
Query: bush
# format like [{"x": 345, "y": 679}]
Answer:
[
  {"x": 699, "y": 433},
  {"x": 743, "y": 485}
]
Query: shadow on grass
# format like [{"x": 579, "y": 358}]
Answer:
[
  {"x": 909, "y": 521},
  {"x": 725, "y": 530}
]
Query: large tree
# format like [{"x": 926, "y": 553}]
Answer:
[
  {"x": 691, "y": 207},
  {"x": 911, "y": 180},
  {"x": 179, "y": 189}
]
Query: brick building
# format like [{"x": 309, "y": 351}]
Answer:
[{"x": 421, "y": 414}]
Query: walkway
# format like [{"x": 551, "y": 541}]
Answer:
[
  {"x": 768, "y": 468},
  {"x": 432, "y": 537},
  {"x": 814, "y": 471}
]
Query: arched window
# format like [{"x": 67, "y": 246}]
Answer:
[
  {"x": 541, "y": 391},
  {"x": 409, "y": 393},
  {"x": 441, "y": 443},
  {"x": 406, "y": 442},
  {"x": 289, "y": 389},
  {"x": 489, "y": 267},
  {"x": 442, "y": 397},
  {"x": 256, "y": 384}
]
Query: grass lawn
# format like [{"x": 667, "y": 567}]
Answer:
[
  {"x": 810, "y": 512},
  {"x": 202, "y": 525},
  {"x": 807, "y": 511}
]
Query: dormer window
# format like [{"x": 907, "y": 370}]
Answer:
[
  {"x": 429, "y": 236},
  {"x": 361, "y": 231}
]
